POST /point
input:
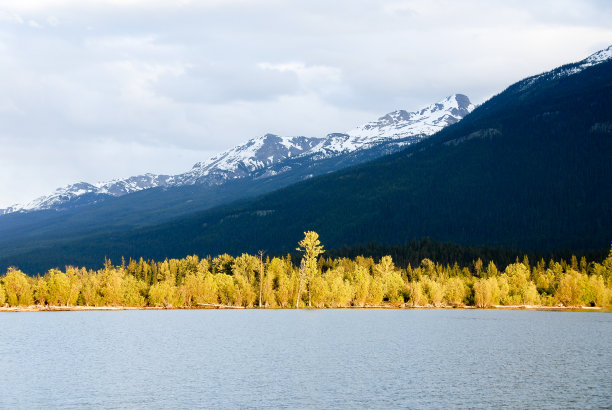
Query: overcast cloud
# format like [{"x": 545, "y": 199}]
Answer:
[{"x": 94, "y": 90}]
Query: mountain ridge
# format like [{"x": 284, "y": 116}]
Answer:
[
  {"x": 396, "y": 125},
  {"x": 259, "y": 157}
]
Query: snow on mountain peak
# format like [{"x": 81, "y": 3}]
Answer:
[
  {"x": 72, "y": 192},
  {"x": 260, "y": 157},
  {"x": 599, "y": 57},
  {"x": 437, "y": 115},
  {"x": 401, "y": 124},
  {"x": 255, "y": 154}
]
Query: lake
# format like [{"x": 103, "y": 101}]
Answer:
[{"x": 306, "y": 359}]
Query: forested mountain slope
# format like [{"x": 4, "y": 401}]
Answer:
[
  {"x": 258, "y": 166},
  {"x": 530, "y": 169}
]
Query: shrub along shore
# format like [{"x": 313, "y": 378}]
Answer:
[
  {"x": 256, "y": 281},
  {"x": 207, "y": 306}
]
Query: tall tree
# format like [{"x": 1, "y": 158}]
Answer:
[
  {"x": 312, "y": 248},
  {"x": 302, "y": 278},
  {"x": 17, "y": 288},
  {"x": 261, "y": 276},
  {"x": 2, "y": 295}
]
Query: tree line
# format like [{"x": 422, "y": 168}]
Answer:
[{"x": 317, "y": 282}]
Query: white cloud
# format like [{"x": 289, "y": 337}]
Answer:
[
  {"x": 318, "y": 79},
  {"x": 53, "y": 21},
  {"x": 30, "y": 6},
  {"x": 211, "y": 82}
]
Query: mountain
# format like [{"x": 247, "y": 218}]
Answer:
[
  {"x": 269, "y": 155},
  {"x": 602, "y": 56},
  {"x": 261, "y": 165},
  {"x": 529, "y": 169},
  {"x": 83, "y": 193}
]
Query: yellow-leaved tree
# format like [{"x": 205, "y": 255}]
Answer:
[{"x": 312, "y": 248}]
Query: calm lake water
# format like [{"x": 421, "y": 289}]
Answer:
[{"x": 306, "y": 359}]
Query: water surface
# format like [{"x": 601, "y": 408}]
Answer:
[{"x": 306, "y": 359}]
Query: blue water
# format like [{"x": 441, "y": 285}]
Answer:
[{"x": 306, "y": 359}]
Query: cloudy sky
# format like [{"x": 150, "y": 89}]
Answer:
[{"x": 98, "y": 89}]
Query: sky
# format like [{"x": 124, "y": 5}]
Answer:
[{"x": 92, "y": 90}]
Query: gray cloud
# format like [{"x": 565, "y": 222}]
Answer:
[
  {"x": 133, "y": 87},
  {"x": 220, "y": 83}
]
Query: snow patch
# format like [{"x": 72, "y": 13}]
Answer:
[{"x": 565, "y": 71}]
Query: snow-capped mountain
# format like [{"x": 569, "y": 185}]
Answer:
[
  {"x": 83, "y": 191},
  {"x": 409, "y": 127},
  {"x": 271, "y": 150},
  {"x": 270, "y": 155},
  {"x": 255, "y": 155}
]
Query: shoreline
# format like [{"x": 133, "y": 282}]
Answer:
[{"x": 46, "y": 308}]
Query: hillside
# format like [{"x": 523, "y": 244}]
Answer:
[
  {"x": 258, "y": 166},
  {"x": 529, "y": 169}
]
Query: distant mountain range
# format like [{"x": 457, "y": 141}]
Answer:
[
  {"x": 270, "y": 155},
  {"x": 529, "y": 169}
]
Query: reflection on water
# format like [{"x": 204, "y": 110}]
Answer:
[{"x": 315, "y": 359}]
